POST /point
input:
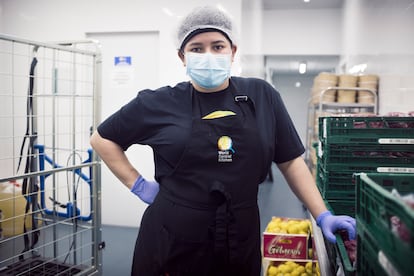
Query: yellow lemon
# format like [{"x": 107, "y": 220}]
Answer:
[
  {"x": 284, "y": 268},
  {"x": 309, "y": 268},
  {"x": 284, "y": 225},
  {"x": 293, "y": 229},
  {"x": 303, "y": 226},
  {"x": 271, "y": 225},
  {"x": 292, "y": 264},
  {"x": 300, "y": 269},
  {"x": 276, "y": 219},
  {"x": 272, "y": 271},
  {"x": 295, "y": 273},
  {"x": 276, "y": 230},
  {"x": 308, "y": 265}
]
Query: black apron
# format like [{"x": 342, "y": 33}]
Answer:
[{"x": 205, "y": 219}]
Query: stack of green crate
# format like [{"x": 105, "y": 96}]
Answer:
[
  {"x": 349, "y": 145},
  {"x": 385, "y": 225}
]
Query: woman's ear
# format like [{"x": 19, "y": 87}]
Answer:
[
  {"x": 181, "y": 56},
  {"x": 233, "y": 51}
]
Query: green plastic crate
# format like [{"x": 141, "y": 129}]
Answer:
[
  {"x": 376, "y": 207},
  {"x": 368, "y": 167},
  {"x": 338, "y": 183},
  {"x": 373, "y": 155},
  {"x": 337, "y": 252},
  {"x": 335, "y": 184},
  {"x": 341, "y": 206},
  {"x": 371, "y": 260},
  {"x": 348, "y": 267},
  {"x": 366, "y": 130}
]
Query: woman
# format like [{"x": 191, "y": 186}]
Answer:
[{"x": 214, "y": 139}]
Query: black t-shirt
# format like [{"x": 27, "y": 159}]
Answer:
[
  {"x": 206, "y": 103},
  {"x": 162, "y": 119}
]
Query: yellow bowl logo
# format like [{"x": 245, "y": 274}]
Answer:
[{"x": 225, "y": 143}]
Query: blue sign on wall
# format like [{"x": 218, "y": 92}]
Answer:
[{"x": 125, "y": 60}]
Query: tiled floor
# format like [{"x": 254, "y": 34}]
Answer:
[{"x": 119, "y": 247}]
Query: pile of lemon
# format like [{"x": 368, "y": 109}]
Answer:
[
  {"x": 288, "y": 226},
  {"x": 290, "y": 268}
]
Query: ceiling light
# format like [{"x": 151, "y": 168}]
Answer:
[
  {"x": 359, "y": 68},
  {"x": 302, "y": 67}
]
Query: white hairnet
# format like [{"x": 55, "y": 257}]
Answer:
[{"x": 202, "y": 19}]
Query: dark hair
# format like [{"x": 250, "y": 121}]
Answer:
[{"x": 199, "y": 31}]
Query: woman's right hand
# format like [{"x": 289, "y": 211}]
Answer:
[{"x": 145, "y": 190}]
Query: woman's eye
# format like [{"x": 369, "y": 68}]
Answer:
[
  {"x": 218, "y": 47},
  {"x": 196, "y": 50}
]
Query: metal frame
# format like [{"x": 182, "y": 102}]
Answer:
[
  {"x": 312, "y": 107},
  {"x": 66, "y": 109}
]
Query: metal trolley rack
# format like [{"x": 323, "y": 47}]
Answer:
[
  {"x": 315, "y": 110},
  {"x": 49, "y": 177}
]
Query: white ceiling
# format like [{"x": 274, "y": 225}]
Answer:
[
  {"x": 300, "y": 4},
  {"x": 289, "y": 64}
]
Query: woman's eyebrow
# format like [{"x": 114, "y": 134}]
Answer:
[
  {"x": 218, "y": 41},
  {"x": 200, "y": 43},
  {"x": 195, "y": 44}
]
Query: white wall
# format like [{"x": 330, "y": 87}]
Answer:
[
  {"x": 380, "y": 33},
  {"x": 302, "y": 32},
  {"x": 378, "y": 27},
  {"x": 251, "y": 39}
]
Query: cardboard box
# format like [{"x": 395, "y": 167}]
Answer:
[{"x": 286, "y": 245}]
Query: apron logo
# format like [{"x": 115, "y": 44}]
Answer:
[{"x": 225, "y": 146}]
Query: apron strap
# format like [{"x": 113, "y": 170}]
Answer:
[
  {"x": 225, "y": 242},
  {"x": 223, "y": 218}
]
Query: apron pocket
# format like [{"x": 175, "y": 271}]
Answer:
[{"x": 184, "y": 257}]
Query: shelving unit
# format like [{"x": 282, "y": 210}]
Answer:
[{"x": 317, "y": 109}]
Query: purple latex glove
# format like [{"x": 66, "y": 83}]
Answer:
[
  {"x": 145, "y": 190},
  {"x": 330, "y": 224}
]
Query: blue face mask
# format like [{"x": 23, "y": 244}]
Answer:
[{"x": 208, "y": 70}]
